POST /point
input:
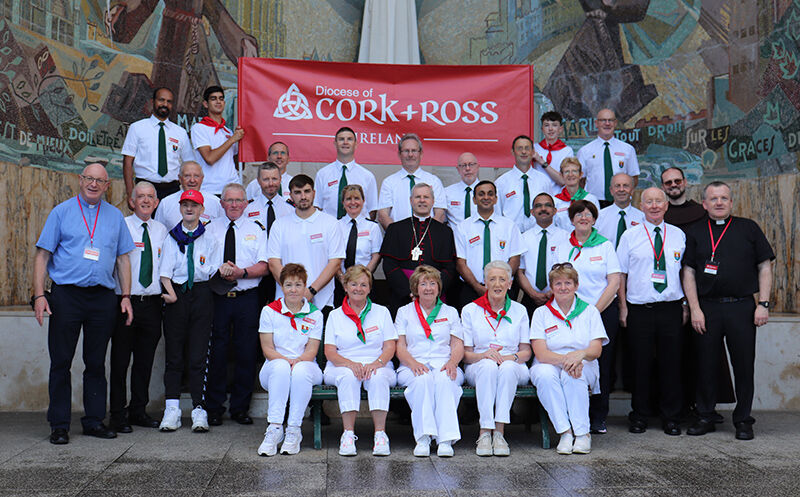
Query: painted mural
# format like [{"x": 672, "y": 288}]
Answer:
[{"x": 711, "y": 86}]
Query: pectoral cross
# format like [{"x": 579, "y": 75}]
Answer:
[{"x": 416, "y": 252}]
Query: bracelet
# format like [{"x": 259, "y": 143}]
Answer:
[
  {"x": 36, "y": 297},
  {"x": 516, "y": 358},
  {"x": 126, "y": 296},
  {"x": 311, "y": 289},
  {"x": 380, "y": 360}
]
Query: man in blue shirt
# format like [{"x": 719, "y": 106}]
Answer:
[{"x": 83, "y": 240}]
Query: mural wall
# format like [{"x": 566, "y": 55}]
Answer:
[{"x": 711, "y": 86}]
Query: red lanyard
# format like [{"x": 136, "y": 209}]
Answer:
[
  {"x": 663, "y": 243},
  {"x": 711, "y": 235},
  {"x": 97, "y": 215},
  {"x": 486, "y": 316}
]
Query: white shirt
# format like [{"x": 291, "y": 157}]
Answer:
[
  {"x": 169, "y": 209},
  {"x": 608, "y": 220},
  {"x": 510, "y": 193},
  {"x": 396, "y": 192},
  {"x": 636, "y": 260},
  {"x": 326, "y": 185},
  {"x": 593, "y": 265},
  {"x": 369, "y": 237},
  {"x": 312, "y": 242},
  {"x": 290, "y": 342},
  {"x": 557, "y": 156},
  {"x": 207, "y": 259},
  {"x": 480, "y": 332},
  {"x": 505, "y": 239},
  {"x": 253, "y": 189},
  {"x": 591, "y": 156},
  {"x": 422, "y": 348},
  {"x": 456, "y": 196},
  {"x": 141, "y": 143},
  {"x": 251, "y": 245},
  {"x": 222, "y": 172},
  {"x": 157, "y": 232},
  {"x": 529, "y": 261},
  {"x": 258, "y": 209},
  {"x": 562, "y": 339},
  {"x": 561, "y": 218},
  {"x": 341, "y": 331}
]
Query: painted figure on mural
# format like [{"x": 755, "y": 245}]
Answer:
[{"x": 592, "y": 73}]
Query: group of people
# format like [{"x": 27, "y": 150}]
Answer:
[{"x": 285, "y": 264}]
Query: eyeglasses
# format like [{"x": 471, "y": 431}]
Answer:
[
  {"x": 234, "y": 200},
  {"x": 583, "y": 215},
  {"x": 90, "y": 180},
  {"x": 561, "y": 265},
  {"x": 676, "y": 182},
  {"x": 468, "y": 165}
]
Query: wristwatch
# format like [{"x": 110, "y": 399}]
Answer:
[
  {"x": 244, "y": 275},
  {"x": 764, "y": 303},
  {"x": 311, "y": 289}
]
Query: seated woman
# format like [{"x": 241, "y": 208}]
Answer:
[
  {"x": 572, "y": 172},
  {"x": 567, "y": 336},
  {"x": 496, "y": 346},
  {"x": 429, "y": 348},
  {"x": 360, "y": 341},
  {"x": 290, "y": 330}
]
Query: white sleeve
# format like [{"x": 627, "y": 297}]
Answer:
[
  {"x": 168, "y": 259},
  {"x": 633, "y": 163},
  {"x": 623, "y": 250},
  {"x": 275, "y": 240},
  {"x": 385, "y": 199},
  {"x": 465, "y": 325},
  {"x": 375, "y": 238},
  {"x": 265, "y": 321},
  {"x": 200, "y": 138},
  {"x": 371, "y": 193},
  {"x": 515, "y": 242},
  {"x": 401, "y": 323},
  {"x": 316, "y": 330},
  {"x": 461, "y": 244},
  {"x": 389, "y": 331},
  {"x": 261, "y": 240},
  {"x": 187, "y": 153},
  {"x": 612, "y": 262},
  {"x": 337, "y": 247},
  {"x": 439, "y": 197},
  {"x": 537, "y": 324},
  {"x": 129, "y": 145}
]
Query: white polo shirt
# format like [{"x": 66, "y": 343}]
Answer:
[
  {"x": 258, "y": 209},
  {"x": 557, "y": 156},
  {"x": 169, "y": 209},
  {"x": 222, "y": 172},
  {"x": 312, "y": 242},
  {"x": 456, "y": 197},
  {"x": 593, "y": 265},
  {"x": 290, "y": 342},
  {"x": 326, "y": 185},
  {"x": 561, "y": 218},
  {"x": 506, "y": 241},
  {"x": 141, "y": 143},
  {"x": 591, "y": 156},
  {"x": 341, "y": 331},
  {"x": 636, "y": 259},
  {"x": 481, "y": 330},
  {"x": 608, "y": 220},
  {"x": 369, "y": 237},
  {"x": 157, "y": 232},
  {"x": 422, "y": 348},
  {"x": 510, "y": 194},
  {"x": 531, "y": 240},
  {"x": 251, "y": 245},
  {"x": 207, "y": 259},
  {"x": 396, "y": 192},
  {"x": 253, "y": 189}
]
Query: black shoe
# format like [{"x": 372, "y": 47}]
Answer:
[
  {"x": 744, "y": 431},
  {"x": 143, "y": 420},
  {"x": 100, "y": 431},
  {"x": 120, "y": 426},
  {"x": 701, "y": 427},
  {"x": 59, "y": 436},
  {"x": 637, "y": 427},
  {"x": 598, "y": 428},
  {"x": 716, "y": 418},
  {"x": 214, "y": 419},
  {"x": 241, "y": 417},
  {"x": 672, "y": 428}
]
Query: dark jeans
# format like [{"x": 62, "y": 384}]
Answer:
[{"x": 598, "y": 404}]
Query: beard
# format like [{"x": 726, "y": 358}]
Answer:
[
  {"x": 670, "y": 193},
  {"x": 162, "y": 112}
]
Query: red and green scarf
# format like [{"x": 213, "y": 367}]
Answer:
[
  {"x": 428, "y": 321},
  {"x": 357, "y": 319},
  {"x": 580, "y": 306},
  {"x": 277, "y": 306},
  {"x": 483, "y": 302},
  {"x": 595, "y": 239},
  {"x": 556, "y": 146},
  {"x": 566, "y": 197}
]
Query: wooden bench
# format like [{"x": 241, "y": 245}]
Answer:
[{"x": 327, "y": 392}]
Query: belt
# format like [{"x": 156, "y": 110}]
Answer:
[
  {"x": 725, "y": 300},
  {"x": 655, "y": 305},
  {"x": 238, "y": 293},
  {"x": 144, "y": 298}
]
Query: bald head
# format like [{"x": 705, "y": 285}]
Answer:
[
  {"x": 94, "y": 183},
  {"x": 606, "y": 122},
  {"x": 621, "y": 188},
  {"x": 654, "y": 204},
  {"x": 468, "y": 168}
]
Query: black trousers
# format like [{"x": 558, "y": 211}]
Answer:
[
  {"x": 187, "y": 326},
  {"x": 235, "y": 324},
  {"x": 139, "y": 340},
  {"x": 266, "y": 290},
  {"x": 732, "y": 321},
  {"x": 93, "y": 309},
  {"x": 598, "y": 404},
  {"x": 655, "y": 337}
]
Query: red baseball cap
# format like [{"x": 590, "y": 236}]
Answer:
[{"x": 192, "y": 195}]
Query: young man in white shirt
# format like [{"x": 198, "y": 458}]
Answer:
[
  {"x": 191, "y": 178},
  {"x": 216, "y": 145},
  {"x": 551, "y": 150},
  {"x": 460, "y": 196},
  {"x": 615, "y": 219},
  {"x": 517, "y": 187},
  {"x": 278, "y": 155}
]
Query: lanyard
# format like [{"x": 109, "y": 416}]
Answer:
[
  {"x": 494, "y": 327},
  {"x": 97, "y": 215},
  {"x": 711, "y": 235},
  {"x": 663, "y": 243}
]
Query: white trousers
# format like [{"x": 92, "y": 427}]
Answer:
[
  {"x": 433, "y": 398},
  {"x": 495, "y": 388},
  {"x": 566, "y": 399},
  {"x": 349, "y": 387},
  {"x": 289, "y": 384}
]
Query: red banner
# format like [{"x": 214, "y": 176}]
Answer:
[{"x": 454, "y": 109}]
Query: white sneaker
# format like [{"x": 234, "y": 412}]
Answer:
[
  {"x": 565, "y": 444},
  {"x": 484, "y": 445},
  {"x": 272, "y": 437},
  {"x": 347, "y": 444},
  {"x": 291, "y": 444},
  {"x": 423, "y": 448},
  {"x": 171, "y": 420},
  {"x": 499, "y": 445},
  {"x": 381, "y": 447},
  {"x": 199, "y": 420},
  {"x": 583, "y": 444},
  {"x": 445, "y": 449}
]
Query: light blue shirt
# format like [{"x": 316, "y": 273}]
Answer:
[{"x": 65, "y": 236}]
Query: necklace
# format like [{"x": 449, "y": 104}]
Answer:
[{"x": 416, "y": 252}]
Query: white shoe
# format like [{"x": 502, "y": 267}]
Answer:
[
  {"x": 423, "y": 448},
  {"x": 445, "y": 449},
  {"x": 199, "y": 420},
  {"x": 499, "y": 445},
  {"x": 272, "y": 437},
  {"x": 347, "y": 444},
  {"x": 291, "y": 444},
  {"x": 171, "y": 420},
  {"x": 381, "y": 447},
  {"x": 565, "y": 444},
  {"x": 484, "y": 445},
  {"x": 583, "y": 444}
]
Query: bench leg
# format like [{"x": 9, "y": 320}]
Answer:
[
  {"x": 545, "y": 421},
  {"x": 316, "y": 411}
]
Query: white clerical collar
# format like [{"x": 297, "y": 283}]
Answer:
[{"x": 422, "y": 219}]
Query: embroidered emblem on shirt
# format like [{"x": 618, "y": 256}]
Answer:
[
  {"x": 677, "y": 255},
  {"x": 202, "y": 260}
]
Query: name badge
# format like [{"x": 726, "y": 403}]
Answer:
[
  {"x": 474, "y": 239},
  {"x": 495, "y": 346},
  {"x": 596, "y": 259},
  {"x": 455, "y": 202},
  {"x": 249, "y": 238},
  {"x": 91, "y": 253},
  {"x": 205, "y": 216},
  {"x": 511, "y": 193},
  {"x": 316, "y": 238},
  {"x": 363, "y": 233},
  {"x": 309, "y": 320},
  {"x": 550, "y": 330},
  {"x": 371, "y": 329},
  {"x": 658, "y": 276},
  {"x": 440, "y": 320},
  {"x": 563, "y": 209},
  {"x": 711, "y": 268},
  {"x": 139, "y": 244},
  {"x": 331, "y": 183},
  {"x": 253, "y": 214}
]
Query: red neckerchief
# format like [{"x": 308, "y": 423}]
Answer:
[
  {"x": 214, "y": 124},
  {"x": 483, "y": 302},
  {"x": 580, "y": 306},
  {"x": 555, "y": 147},
  {"x": 277, "y": 306},
  {"x": 349, "y": 312},
  {"x": 564, "y": 195}
]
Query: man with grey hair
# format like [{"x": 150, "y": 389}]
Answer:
[
  {"x": 460, "y": 198},
  {"x": 191, "y": 178},
  {"x": 392, "y": 204}
]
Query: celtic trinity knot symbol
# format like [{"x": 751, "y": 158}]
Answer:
[{"x": 292, "y": 105}]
